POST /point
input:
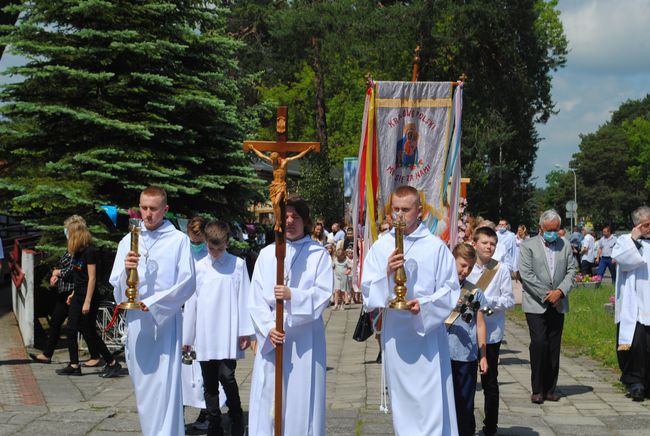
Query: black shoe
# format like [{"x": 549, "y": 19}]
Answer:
[
  {"x": 487, "y": 432},
  {"x": 35, "y": 358},
  {"x": 111, "y": 371},
  {"x": 637, "y": 392},
  {"x": 69, "y": 370},
  {"x": 378, "y": 360},
  {"x": 537, "y": 399},
  {"x": 237, "y": 427}
]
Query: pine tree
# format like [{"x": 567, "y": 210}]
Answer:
[{"x": 118, "y": 95}]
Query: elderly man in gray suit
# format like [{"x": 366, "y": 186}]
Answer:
[{"x": 548, "y": 269}]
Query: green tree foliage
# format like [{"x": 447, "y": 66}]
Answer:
[
  {"x": 118, "y": 95},
  {"x": 8, "y": 17},
  {"x": 613, "y": 166},
  {"x": 507, "y": 49}
]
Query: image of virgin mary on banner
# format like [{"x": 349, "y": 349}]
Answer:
[{"x": 410, "y": 136}]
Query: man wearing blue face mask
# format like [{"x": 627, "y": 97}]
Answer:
[{"x": 548, "y": 269}]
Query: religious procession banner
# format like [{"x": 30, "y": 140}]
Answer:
[{"x": 410, "y": 136}]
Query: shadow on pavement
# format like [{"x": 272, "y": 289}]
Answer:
[
  {"x": 513, "y": 361},
  {"x": 574, "y": 389},
  {"x": 517, "y": 431},
  {"x": 16, "y": 362}
]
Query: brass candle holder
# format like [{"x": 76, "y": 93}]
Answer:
[
  {"x": 399, "y": 302},
  {"x": 132, "y": 278}
]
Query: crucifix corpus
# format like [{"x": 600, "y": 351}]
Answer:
[{"x": 278, "y": 193}]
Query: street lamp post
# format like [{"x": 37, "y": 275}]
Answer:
[{"x": 574, "y": 214}]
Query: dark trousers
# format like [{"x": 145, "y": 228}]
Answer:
[
  {"x": 215, "y": 372},
  {"x": 86, "y": 324},
  {"x": 490, "y": 386},
  {"x": 635, "y": 363},
  {"x": 464, "y": 376},
  {"x": 59, "y": 314},
  {"x": 545, "y": 339},
  {"x": 585, "y": 267},
  {"x": 606, "y": 262}
]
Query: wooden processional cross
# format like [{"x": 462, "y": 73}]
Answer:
[{"x": 278, "y": 192}]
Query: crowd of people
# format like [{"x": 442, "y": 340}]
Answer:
[{"x": 200, "y": 306}]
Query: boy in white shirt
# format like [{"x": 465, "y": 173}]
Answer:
[
  {"x": 222, "y": 286},
  {"x": 494, "y": 278}
]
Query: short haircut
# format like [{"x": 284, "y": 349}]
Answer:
[
  {"x": 155, "y": 191},
  {"x": 640, "y": 215},
  {"x": 465, "y": 251},
  {"x": 549, "y": 216},
  {"x": 487, "y": 223},
  {"x": 217, "y": 232},
  {"x": 485, "y": 231},
  {"x": 196, "y": 226},
  {"x": 405, "y": 191},
  {"x": 302, "y": 208},
  {"x": 503, "y": 219}
]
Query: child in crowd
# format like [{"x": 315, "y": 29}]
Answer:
[
  {"x": 494, "y": 279},
  {"x": 354, "y": 292},
  {"x": 467, "y": 343},
  {"x": 341, "y": 272},
  {"x": 219, "y": 325},
  {"x": 330, "y": 249}
]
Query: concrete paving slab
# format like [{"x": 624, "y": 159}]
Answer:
[{"x": 592, "y": 402}]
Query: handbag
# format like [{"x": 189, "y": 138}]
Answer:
[{"x": 363, "y": 330}]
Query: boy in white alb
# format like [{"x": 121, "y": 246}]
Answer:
[
  {"x": 222, "y": 325},
  {"x": 494, "y": 278}
]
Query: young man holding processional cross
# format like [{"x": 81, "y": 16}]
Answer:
[
  {"x": 308, "y": 281},
  {"x": 414, "y": 341},
  {"x": 153, "y": 346}
]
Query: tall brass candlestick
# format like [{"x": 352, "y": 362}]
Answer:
[
  {"x": 399, "y": 302},
  {"x": 132, "y": 279}
]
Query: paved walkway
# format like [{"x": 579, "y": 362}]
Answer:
[{"x": 34, "y": 400}]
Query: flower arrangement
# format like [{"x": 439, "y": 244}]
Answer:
[
  {"x": 462, "y": 219},
  {"x": 588, "y": 280}
]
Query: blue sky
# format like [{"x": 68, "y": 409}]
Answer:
[{"x": 608, "y": 63}]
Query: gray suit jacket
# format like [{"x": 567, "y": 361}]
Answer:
[{"x": 536, "y": 277}]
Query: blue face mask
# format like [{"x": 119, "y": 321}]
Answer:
[
  {"x": 550, "y": 236},
  {"x": 197, "y": 248},
  {"x": 502, "y": 229}
]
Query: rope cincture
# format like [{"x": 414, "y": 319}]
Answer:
[{"x": 113, "y": 319}]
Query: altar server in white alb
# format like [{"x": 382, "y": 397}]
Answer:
[
  {"x": 415, "y": 345},
  {"x": 632, "y": 256},
  {"x": 219, "y": 325},
  {"x": 308, "y": 286},
  {"x": 153, "y": 347},
  {"x": 506, "y": 251}
]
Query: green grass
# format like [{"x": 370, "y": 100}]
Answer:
[
  {"x": 588, "y": 329},
  {"x": 358, "y": 427}
]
